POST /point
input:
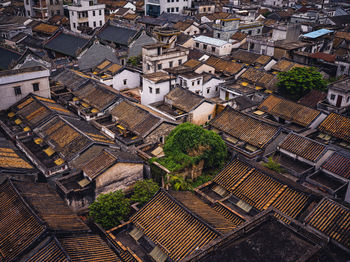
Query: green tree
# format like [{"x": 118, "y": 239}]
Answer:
[
  {"x": 134, "y": 60},
  {"x": 109, "y": 209},
  {"x": 178, "y": 183},
  {"x": 144, "y": 191},
  {"x": 187, "y": 144},
  {"x": 299, "y": 81},
  {"x": 273, "y": 165}
]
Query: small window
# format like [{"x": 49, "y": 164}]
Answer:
[
  {"x": 17, "y": 90},
  {"x": 171, "y": 64},
  {"x": 51, "y": 2},
  {"x": 101, "y": 23},
  {"x": 124, "y": 81},
  {"x": 150, "y": 90},
  {"x": 91, "y": 3},
  {"x": 36, "y": 87},
  {"x": 180, "y": 61},
  {"x": 58, "y": 12},
  {"x": 93, "y": 14},
  {"x": 148, "y": 67},
  {"x": 198, "y": 81},
  {"x": 28, "y": 12},
  {"x": 332, "y": 97},
  {"x": 168, "y": 10},
  {"x": 157, "y": 90},
  {"x": 219, "y": 35},
  {"x": 100, "y": 12},
  {"x": 177, "y": 9},
  {"x": 172, "y": 9},
  {"x": 193, "y": 83},
  {"x": 209, "y": 9},
  {"x": 209, "y": 116},
  {"x": 208, "y": 91},
  {"x": 159, "y": 66},
  {"x": 197, "y": 45},
  {"x": 74, "y": 25},
  {"x": 205, "y": 47},
  {"x": 27, "y": 2},
  {"x": 72, "y": 13},
  {"x": 204, "y": 9},
  {"x": 213, "y": 49},
  {"x": 94, "y": 23}
]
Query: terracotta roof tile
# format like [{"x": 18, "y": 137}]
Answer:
[
  {"x": 337, "y": 126},
  {"x": 338, "y": 164}
]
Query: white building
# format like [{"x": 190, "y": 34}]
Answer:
[
  {"x": 86, "y": 13},
  {"x": 117, "y": 76},
  {"x": 212, "y": 45},
  {"x": 43, "y": 9},
  {"x": 157, "y": 7},
  {"x": 157, "y": 58},
  {"x": 206, "y": 85},
  {"x": 18, "y": 83},
  {"x": 155, "y": 86}
]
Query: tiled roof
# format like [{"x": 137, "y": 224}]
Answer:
[
  {"x": 337, "y": 126},
  {"x": 312, "y": 98},
  {"x": 20, "y": 226},
  {"x": 192, "y": 63},
  {"x": 303, "y": 147},
  {"x": 45, "y": 28},
  {"x": 338, "y": 164},
  {"x": 183, "y": 99},
  {"x": 50, "y": 252},
  {"x": 223, "y": 66},
  {"x": 263, "y": 59},
  {"x": 134, "y": 118},
  {"x": 9, "y": 158},
  {"x": 244, "y": 127},
  {"x": 96, "y": 95},
  {"x": 245, "y": 56},
  {"x": 289, "y": 110},
  {"x": 89, "y": 248},
  {"x": 208, "y": 214},
  {"x": 324, "y": 56},
  {"x": 7, "y": 58},
  {"x": 177, "y": 232},
  {"x": 253, "y": 75},
  {"x": 50, "y": 207},
  {"x": 98, "y": 164},
  {"x": 66, "y": 44},
  {"x": 36, "y": 110},
  {"x": 117, "y": 34},
  {"x": 331, "y": 219},
  {"x": 67, "y": 140},
  {"x": 260, "y": 190},
  {"x": 282, "y": 65}
]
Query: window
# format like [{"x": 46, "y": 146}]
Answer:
[
  {"x": 219, "y": 35},
  {"x": 91, "y": 3},
  {"x": 342, "y": 68},
  {"x": 100, "y": 12},
  {"x": 28, "y": 12},
  {"x": 172, "y": 9},
  {"x": 208, "y": 90},
  {"x": 51, "y": 2},
  {"x": 209, "y": 9},
  {"x": 157, "y": 90},
  {"x": 150, "y": 90},
  {"x": 74, "y": 26},
  {"x": 72, "y": 13},
  {"x": 197, "y": 45},
  {"x": 171, "y": 64},
  {"x": 180, "y": 61},
  {"x": 101, "y": 23},
  {"x": 198, "y": 81},
  {"x": 204, "y": 9},
  {"x": 213, "y": 49},
  {"x": 58, "y": 12},
  {"x": 94, "y": 23},
  {"x": 177, "y": 9},
  {"x": 148, "y": 67},
  {"x": 193, "y": 83},
  {"x": 209, "y": 116},
  {"x": 249, "y": 32},
  {"x": 93, "y": 13},
  {"x": 124, "y": 81},
  {"x": 205, "y": 47},
  {"x": 17, "y": 90},
  {"x": 259, "y": 31},
  {"x": 159, "y": 66},
  {"x": 348, "y": 99},
  {"x": 332, "y": 96},
  {"x": 36, "y": 87},
  {"x": 27, "y": 2},
  {"x": 168, "y": 10}
]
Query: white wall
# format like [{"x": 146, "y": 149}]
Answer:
[
  {"x": 94, "y": 21},
  {"x": 213, "y": 86},
  {"x": 132, "y": 80},
  {"x": 147, "y": 97},
  {"x": 202, "y": 114},
  {"x": 25, "y": 82}
]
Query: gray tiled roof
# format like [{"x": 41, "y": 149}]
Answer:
[
  {"x": 116, "y": 34},
  {"x": 66, "y": 44}
]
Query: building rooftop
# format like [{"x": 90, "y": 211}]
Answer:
[
  {"x": 158, "y": 77},
  {"x": 318, "y": 33},
  {"x": 183, "y": 99},
  {"x": 337, "y": 126},
  {"x": 210, "y": 41},
  {"x": 289, "y": 110},
  {"x": 117, "y": 34},
  {"x": 338, "y": 164}
]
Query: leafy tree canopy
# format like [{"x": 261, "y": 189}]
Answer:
[
  {"x": 109, "y": 209},
  {"x": 299, "y": 81},
  {"x": 188, "y": 144},
  {"x": 144, "y": 191}
]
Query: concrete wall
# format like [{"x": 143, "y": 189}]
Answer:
[
  {"x": 25, "y": 82},
  {"x": 120, "y": 176},
  {"x": 203, "y": 114},
  {"x": 147, "y": 97}
]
